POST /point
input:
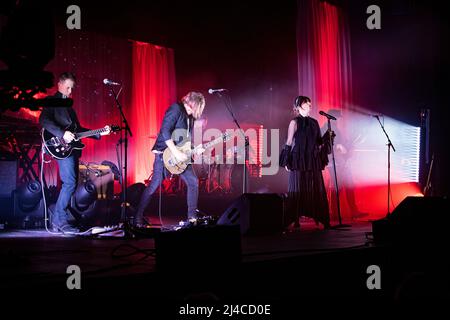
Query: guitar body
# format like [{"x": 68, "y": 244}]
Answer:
[
  {"x": 57, "y": 147},
  {"x": 175, "y": 167},
  {"x": 171, "y": 164}
]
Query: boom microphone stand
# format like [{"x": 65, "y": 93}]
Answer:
[
  {"x": 124, "y": 169},
  {"x": 340, "y": 225},
  {"x": 246, "y": 149},
  {"x": 389, "y": 145}
]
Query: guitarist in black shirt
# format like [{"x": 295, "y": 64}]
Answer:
[
  {"x": 63, "y": 122},
  {"x": 176, "y": 128}
]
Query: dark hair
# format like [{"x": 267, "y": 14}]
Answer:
[
  {"x": 301, "y": 100},
  {"x": 67, "y": 75}
]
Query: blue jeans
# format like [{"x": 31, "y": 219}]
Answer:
[
  {"x": 159, "y": 173},
  {"x": 68, "y": 171}
]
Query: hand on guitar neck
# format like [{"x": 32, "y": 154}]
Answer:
[{"x": 69, "y": 136}]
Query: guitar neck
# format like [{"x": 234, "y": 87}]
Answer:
[
  {"x": 90, "y": 133},
  {"x": 210, "y": 144}
]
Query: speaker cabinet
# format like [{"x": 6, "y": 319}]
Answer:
[
  {"x": 418, "y": 220},
  {"x": 256, "y": 213}
]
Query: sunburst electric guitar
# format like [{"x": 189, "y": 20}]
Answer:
[
  {"x": 177, "y": 167},
  {"x": 58, "y": 148}
]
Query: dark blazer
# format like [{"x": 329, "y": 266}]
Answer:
[
  {"x": 59, "y": 119},
  {"x": 174, "y": 118}
]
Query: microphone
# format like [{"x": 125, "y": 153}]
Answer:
[
  {"x": 110, "y": 82},
  {"x": 329, "y": 116},
  {"x": 377, "y": 115},
  {"x": 211, "y": 91}
]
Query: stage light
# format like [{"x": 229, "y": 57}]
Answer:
[
  {"x": 28, "y": 196},
  {"x": 28, "y": 205},
  {"x": 362, "y": 163},
  {"x": 85, "y": 196}
]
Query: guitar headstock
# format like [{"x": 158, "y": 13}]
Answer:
[
  {"x": 114, "y": 128},
  {"x": 110, "y": 129}
]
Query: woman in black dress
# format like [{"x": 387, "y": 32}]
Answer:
[{"x": 305, "y": 155}]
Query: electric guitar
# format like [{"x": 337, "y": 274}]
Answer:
[
  {"x": 177, "y": 167},
  {"x": 58, "y": 148}
]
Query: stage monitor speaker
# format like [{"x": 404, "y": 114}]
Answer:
[
  {"x": 256, "y": 213},
  {"x": 8, "y": 177},
  {"x": 99, "y": 213},
  {"x": 198, "y": 250},
  {"x": 418, "y": 220},
  {"x": 28, "y": 205}
]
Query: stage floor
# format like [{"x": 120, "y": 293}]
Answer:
[{"x": 35, "y": 257}]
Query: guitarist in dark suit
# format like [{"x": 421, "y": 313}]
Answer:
[
  {"x": 58, "y": 121},
  {"x": 176, "y": 127}
]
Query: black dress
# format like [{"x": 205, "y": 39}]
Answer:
[{"x": 306, "y": 159}]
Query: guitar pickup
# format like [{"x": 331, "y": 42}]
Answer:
[{"x": 55, "y": 142}]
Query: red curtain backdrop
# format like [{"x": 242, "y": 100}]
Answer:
[
  {"x": 324, "y": 60},
  {"x": 154, "y": 89},
  {"x": 147, "y": 73},
  {"x": 324, "y": 71}
]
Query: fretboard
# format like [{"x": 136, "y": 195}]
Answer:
[
  {"x": 90, "y": 133},
  {"x": 211, "y": 143}
]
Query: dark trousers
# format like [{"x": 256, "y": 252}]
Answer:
[
  {"x": 68, "y": 171},
  {"x": 159, "y": 173}
]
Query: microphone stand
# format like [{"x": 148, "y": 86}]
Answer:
[
  {"x": 246, "y": 148},
  {"x": 389, "y": 145},
  {"x": 124, "y": 169},
  {"x": 340, "y": 225}
]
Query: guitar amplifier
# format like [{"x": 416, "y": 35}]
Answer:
[{"x": 101, "y": 176}]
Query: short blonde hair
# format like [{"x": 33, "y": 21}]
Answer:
[{"x": 198, "y": 100}]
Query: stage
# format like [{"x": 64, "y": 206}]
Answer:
[
  {"x": 353, "y": 94},
  {"x": 312, "y": 260},
  {"x": 285, "y": 269}
]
